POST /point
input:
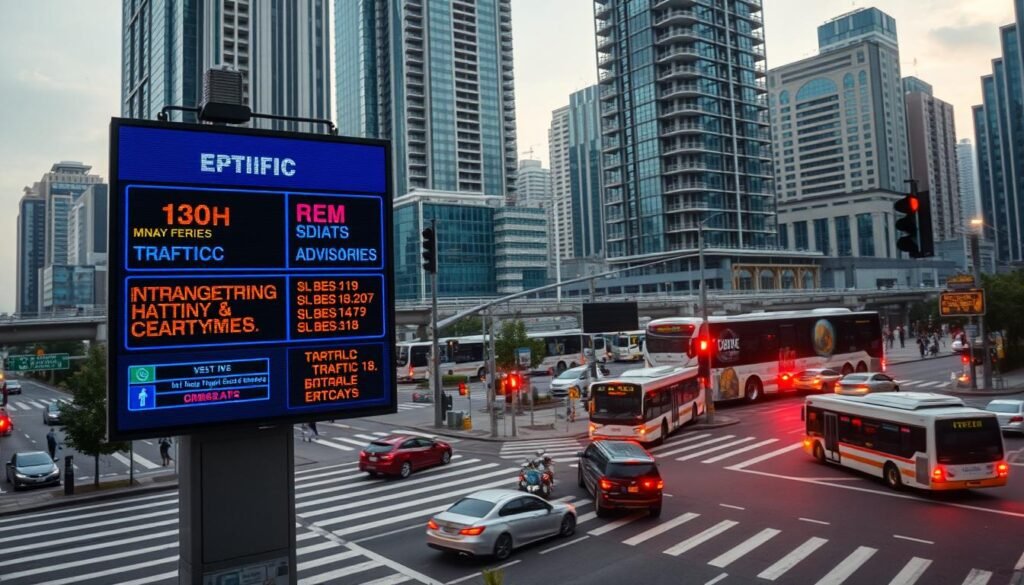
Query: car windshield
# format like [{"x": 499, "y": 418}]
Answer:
[
  {"x": 53, "y": 407},
  {"x": 1003, "y": 407},
  {"x": 570, "y": 374},
  {"x": 32, "y": 459},
  {"x": 471, "y": 507},
  {"x": 856, "y": 378},
  {"x": 378, "y": 447},
  {"x": 968, "y": 440},
  {"x": 632, "y": 470}
]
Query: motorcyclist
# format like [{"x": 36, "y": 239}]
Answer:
[{"x": 544, "y": 463}]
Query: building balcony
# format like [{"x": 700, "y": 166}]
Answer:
[
  {"x": 603, "y": 26},
  {"x": 671, "y": 110},
  {"x": 609, "y": 127},
  {"x": 608, "y": 92},
  {"x": 681, "y": 90},
  {"x": 684, "y": 147},
  {"x": 684, "y": 205},
  {"x": 681, "y": 128},
  {"x": 610, "y": 143},
  {"x": 677, "y": 54},
  {"x": 689, "y": 167},
  {"x": 676, "y": 16},
  {"x": 605, "y": 43},
  {"x": 606, "y": 60},
  {"x": 680, "y": 33},
  {"x": 602, "y": 9},
  {"x": 684, "y": 186},
  {"x": 679, "y": 71}
]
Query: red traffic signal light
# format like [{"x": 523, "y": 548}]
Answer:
[
  {"x": 463, "y": 389},
  {"x": 964, "y": 358},
  {"x": 514, "y": 382},
  {"x": 704, "y": 345},
  {"x": 913, "y": 203}
]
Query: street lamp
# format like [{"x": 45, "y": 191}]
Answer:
[
  {"x": 978, "y": 224},
  {"x": 710, "y": 406}
]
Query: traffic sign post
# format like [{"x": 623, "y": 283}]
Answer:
[
  {"x": 962, "y": 303},
  {"x": 38, "y": 362}
]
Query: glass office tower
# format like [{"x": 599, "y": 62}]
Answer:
[{"x": 684, "y": 125}]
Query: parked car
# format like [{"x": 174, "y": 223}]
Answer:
[
  {"x": 579, "y": 377},
  {"x": 866, "y": 383},
  {"x": 13, "y": 386},
  {"x": 620, "y": 475},
  {"x": 816, "y": 380},
  {"x": 51, "y": 414},
  {"x": 402, "y": 454},
  {"x": 1010, "y": 414},
  {"x": 32, "y": 468},
  {"x": 496, "y": 522},
  {"x": 6, "y": 424}
]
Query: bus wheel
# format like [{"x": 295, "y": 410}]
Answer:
[
  {"x": 560, "y": 368},
  {"x": 752, "y": 390},
  {"x": 819, "y": 452},
  {"x": 573, "y": 365},
  {"x": 847, "y": 368},
  {"x": 481, "y": 373},
  {"x": 861, "y": 367},
  {"x": 892, "y": 476}
]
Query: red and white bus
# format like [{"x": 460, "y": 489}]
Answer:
[
  {"x": 645, "y": 404},
  {"x": 758, "y": 353}
]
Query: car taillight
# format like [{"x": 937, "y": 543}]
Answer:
[
  {"x": 546, "y": 477},
  {"x": 939, "y": 474},
  {"x": 605, "y": 484},
  {"x": 817, "y": 378},
  {"x": 3, "y": 423},
  {"x": 432, "y": 525},
  {"x": 592, "y": 427},
  {"x": 472, "y": 531},
  {"x": 1002, "y": 469},
  {"x": 862, "y": 388},
  {"x": 651, "y": 484},
  {"x": 883, "y": 364},
  {"x": 411, "y": 372},
  {"x": 385, "y": 456},
  {"x": 1017, "y": 419}
]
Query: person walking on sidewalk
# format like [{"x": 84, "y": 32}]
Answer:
[
  {"x": 51, "y": 444},
  {"x": 312, "y": 428},
  {"x": 165, "y": 451},
  {"x": 903, "y": 336}
]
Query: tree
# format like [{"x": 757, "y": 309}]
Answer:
[
  {"x": 464, "y": 327},
  {"x": 85, "y": 419},
  {"x": 512, "y": 337},
  {"x": 1003, "y": 294}
]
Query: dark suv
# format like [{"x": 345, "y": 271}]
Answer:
[{"x": 620, "y": 475}]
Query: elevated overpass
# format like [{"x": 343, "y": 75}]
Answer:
[{"x": 91, "y": 326}]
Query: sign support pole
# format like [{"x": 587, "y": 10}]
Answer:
[
  {"x": 986, "y": 361},
  {"x": 492, "y": 367},
  {"x": 436, "y": 368}
]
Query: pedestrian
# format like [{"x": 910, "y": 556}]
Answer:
[
  {"x": 312, "y": 427},
  {"x": 51, "y": 444},
  {"x": 903, "y": 336},
  {"x": 3, "y": 389},
  {"x": 306, "y": 432},
  {"x": 920, "y": 346},
  {"x": 165, "y": 451}
]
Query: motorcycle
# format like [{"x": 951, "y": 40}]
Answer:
[{"x": 534, "y": 479}]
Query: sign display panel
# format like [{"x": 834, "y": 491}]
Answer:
[
  {"x": 39, "y": 362},
  {"x": 966, "y": 303},
  {"x": 610, "y": 317},
  {"x": 250, "y": 278}
]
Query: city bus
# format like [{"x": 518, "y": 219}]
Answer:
[
  {"x": 645, "y": 404},
  {"x": 460, "y": 356},
  {"x": 761, "y": 353},
  {"x": 627, "y": 346},
  {"x": 562, "y": 350},
  {"x": 916, "y": 439}
]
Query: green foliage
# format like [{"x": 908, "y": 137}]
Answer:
[
  {"x": 464, "y": 327},
  {"x": 493, "y": 576},
  {"x": 85, "y": 419},
  {"x": 513, "y": 336},
  {"x": 453, "y": 381},
  {"x": 1004, "y": 294}
]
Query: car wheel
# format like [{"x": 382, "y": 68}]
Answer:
[
  {"x": 405, "y": 470},
  {"x": 568, "y": 526},
  {"x": 503, "y": 547},
  {"x": 579, "y": 477},
  {"x": 599, "y": 510},
  {"x": 752, "y": 389},
  {"x": 892, "y": 476},
  {"x": 895, "y": 388},
  {"x": 573, "y": 365},
  {"x": 446, "y": 457},
  {"x": 847, "y": 369},
  {"x": 655, "y": 511},
  {"x": 819, "y": 452}
]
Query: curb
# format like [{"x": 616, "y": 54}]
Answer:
[
  {"x": 720, "y": 421},
  {"x": 65, "y": 501}
]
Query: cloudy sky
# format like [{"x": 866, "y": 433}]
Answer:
[{"x": 60, "y": 74}]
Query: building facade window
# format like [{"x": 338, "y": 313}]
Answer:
[
  {"x": 844, "y": 246},
  {"x": 800, "y": 235},
  {"x": 821, "y": 236},
  {"x": 865, "y": 235}
]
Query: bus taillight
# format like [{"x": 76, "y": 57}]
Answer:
[
  {"x": 939, "y": 474},
  {"x": 1002, "y": 469}
]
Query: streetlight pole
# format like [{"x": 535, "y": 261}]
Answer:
[
  {"x": 986, "y": 361},
  {"x": 709, "y": 398}
]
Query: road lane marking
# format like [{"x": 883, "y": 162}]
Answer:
[
  {"x": 359, "y": 444},
  {"x": 660, "y": 528},
  {"x": 725, "y": 559},
  {"x": 36, "y": 404},
  {"x": 790, "y": 560},
  {"x": 848, "y": 566},
  {"x": 701, "y": 538},
  {"x": 564, "y": 544},
  {"x": 119, "y": 519},
  {"x": 813, "y": 521},
  {"x": 329, "y": 442},
  {"x": 679, "y": 442},
  {"x": 324, "y": 468},
  {"x": 714, "y": 449},
  {"x": 152, "y": 578},
  {"x": 330, "y": 559},
  {"x": 389, "y": 580},
  {"x": 49, "y": 568},
  {"x": 1020, "y": 564},
  {"x": 468, "y": 577},
  {"x": 717, "y": 579},
  {"x": 108, "y": 572},
  {"x": 765, "y": 457},
  {"x": 912, "y": 539},
  {"x": 977, "y": 577},
  {"x": 731, "y": 506},
  {"x": 929, "y": 384},
  {"x": 377, "y": 486},
  {"x": 911, "y": 572},
  {"x": 13, "y": 560},
  {"x": 586, "y": 517},
  {"x": 616, "y": 524},
  {"x": 370, "y": 438},
  {"x": 140, "y": 460},
  {"x": 695, "y": 446},
  {"x": 333, "y": 477}
]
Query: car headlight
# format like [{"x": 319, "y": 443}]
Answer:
[{"x": 20, "y": 475}]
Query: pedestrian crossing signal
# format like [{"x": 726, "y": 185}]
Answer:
[{"x": 463, "y": 389}]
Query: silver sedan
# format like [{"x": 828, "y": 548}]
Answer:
[
  {"x": 495, "y": 522},
  {"x": 1010, "y": 414},
  {"x": 866, "y": 383}
]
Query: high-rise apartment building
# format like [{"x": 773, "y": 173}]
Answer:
[
  {"x": 282, "y": 50},
  {"x": 533, "y": 185},
  {"x": 520, "y": 248},
  {"x": 968, "y": 181},
  {"x": 931, "y": 137},
  {"x": 435, "y": 77},
  {"x": 561, "y": 184},
  {"x": 684, "y": 126},
  {"x": 31, "y": 251},
  {"x": 999, "y": 139},
  {"x": 87, "y": 228}
]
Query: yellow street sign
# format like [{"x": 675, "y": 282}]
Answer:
[
  {"x": 962, "y": 303},
  {"x": 574, "y": 393}
]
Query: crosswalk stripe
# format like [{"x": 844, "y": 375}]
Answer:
[
  {"x": 735, "y": 452},
  {"x": 701, "y": 538},
  {"x": 379, "y": 485},
  {"x": 49, "y": 568},
  {"x": 725, "y": 559},
  {"x": 381, "y": 433},
  {"x": 537, "y": 442},
  {"x": 911, "y": 383},
  {"x": 330, "y": 442},
  {"x": 348, "y": 554},
  {"x": 766, "y": 456},
  {"x": 308, "y": 474},
  {"x": 133, "y": 540},
  {"x": 140, "y": 460},
  {"x": 92, "y": 536},
  {"x": 848, "y": 566},
  {"x": 120, "y": 504},
  {"x": 616, "y": 524},
  {"x": 48, "y": 524},
  {"x": 714, "y": 449},
  {"x": 344, "y": 571},
  {"x": 660, "y": 528},
  {"x": 359, "y": 444},
  {"x": 977, "y": 577},
  {"x": 421, "y": 434},
  {"x": 22, "y": 406},
  {"x": 152, "y": 579},
  {"x": 318, "y": 469},
  {"x": 36, "y": 404},
  {"x": 679, "y": 442},
  {"x": 534, "y": 448},
  {"x": 365, "y": 437},
  {"x": 790, "y": 560},
  {"x": 911, "y": 572},
  {"x": 585, "y": 517},
  {"x": 120, "y": 569},
  {"x": 389, "y": 580},
  {"x": 929, "y": 384},
  {"x": 118, "y": 520},
  {"x": 696, "y": 445}
]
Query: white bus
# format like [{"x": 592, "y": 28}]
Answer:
[
  {"x": 627, "y": 346},
  {"x": 460, "y": 356},
  {"x": 562, "y": 350},
  {"x": 758, "y": 353},
  {"x": 917, "y": 439},
  {"x": 645, "y": 404}
]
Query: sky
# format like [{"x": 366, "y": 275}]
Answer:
[{"x": 60, "y": 66}]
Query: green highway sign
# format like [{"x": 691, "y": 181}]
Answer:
[{"x": 32, "y": 363}]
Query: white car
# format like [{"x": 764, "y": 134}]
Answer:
[
  {"x": 1010, "y": 414},
  {"x": 579, "y": 377}
]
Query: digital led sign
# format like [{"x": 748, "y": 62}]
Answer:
[{"x": 250, "y": 278}]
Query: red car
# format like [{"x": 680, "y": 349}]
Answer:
[
  {"x": 6, "y": 424},
  {"x": 402, "y": 454}
]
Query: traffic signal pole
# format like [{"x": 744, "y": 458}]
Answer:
[
  {"x": 986, "y": 361},
  {"x": 438, "y": 403}
]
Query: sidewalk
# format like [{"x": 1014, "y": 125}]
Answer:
[{"x": 55, "y": 498}]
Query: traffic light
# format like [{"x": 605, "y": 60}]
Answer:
[
  {"x": 515, "y": 382},
  {"x": 704, "y": 358},
  {"x": 463, "y": 389},
  {"x": 429, "y": 251},
  {"x": 915, "y": 222}
]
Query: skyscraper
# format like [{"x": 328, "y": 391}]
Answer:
[
  {"x": 87, "y": 228},
  {"x": 968, "y": 180},
  {"x": 434, "y": 77},
  {"x": 561, "y": 184},
  {"x": 684, "y": 126},
  {"x": 282, "y": 50},
  {"x": 931, "y": 137},
  {"x": 31, "y": 251},
  {"x": 999, "y": 138},
  {"x": 533, "y": 185}
]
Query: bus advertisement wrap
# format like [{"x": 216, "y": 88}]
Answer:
[{"x": 250, "y": 279}]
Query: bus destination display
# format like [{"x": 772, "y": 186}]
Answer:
[{"x": 250, "y": 278}]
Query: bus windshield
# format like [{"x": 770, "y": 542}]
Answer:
[
  {"x": 420, "y": 353},
  {"x": 402, "y": 359},
  {"x": 616, "y": 402},
  {"x": 968, "y": 440},
  {"x": 676, "y": 343}
]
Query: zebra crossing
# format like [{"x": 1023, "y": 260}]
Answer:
[
  {"x": 342, "y": 437},
  {"x": 560, "y": 450}
]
